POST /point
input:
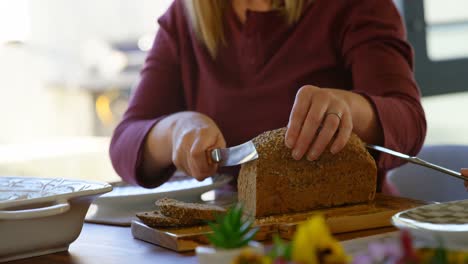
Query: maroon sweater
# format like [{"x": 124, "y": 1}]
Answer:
[{"x": 356, "y": 45}]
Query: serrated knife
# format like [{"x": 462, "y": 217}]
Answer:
[{"x": 234, "y": 155}]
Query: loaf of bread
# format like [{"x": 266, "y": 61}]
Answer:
[
  {"x": 182, "y": 210},
  {"x": 275, "y": 183}
]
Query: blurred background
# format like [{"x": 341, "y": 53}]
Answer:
[{"x": 67, "y": 69}]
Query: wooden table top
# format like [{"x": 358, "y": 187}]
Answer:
[{"x": 102, "y": 244}]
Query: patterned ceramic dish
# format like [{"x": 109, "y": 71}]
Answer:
[
  {"x": 40, "y": 216},
  {"x": 437, "y": 224}
]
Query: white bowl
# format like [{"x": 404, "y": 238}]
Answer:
[
  {"x": 40, "y": 216},
  {"x": 432, "y": 224}
]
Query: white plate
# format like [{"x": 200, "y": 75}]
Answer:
[
  {"x": 433, "y": 224},
  {"x": 120, "y": 206},
  {"x": 42, "y": 215}
]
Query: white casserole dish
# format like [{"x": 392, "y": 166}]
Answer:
[{"x": 40, "y": 216}]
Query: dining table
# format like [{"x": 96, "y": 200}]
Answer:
[{"x": 102, "y": 244}]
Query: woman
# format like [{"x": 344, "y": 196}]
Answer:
[{"x": 223, "y": 71}]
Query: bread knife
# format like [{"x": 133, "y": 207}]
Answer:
[
  {"x": 418, "y": 161},
  {"x": 234, "y": 155}
]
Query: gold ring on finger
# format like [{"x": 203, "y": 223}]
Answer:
[{"x": 338, "y": 114}]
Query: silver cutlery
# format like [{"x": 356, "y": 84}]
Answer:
[{"x": 418, "y": 161}]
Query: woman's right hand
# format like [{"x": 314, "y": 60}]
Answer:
[
  {"x": 464, "y": 172},
  {"x": 193, "y": 134}
]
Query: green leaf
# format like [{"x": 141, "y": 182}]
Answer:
[
  {"x": 242, "y": 243},
  {"x": 231, "y": 230},
  {"x": 215, "y": 240},
  {"x": 246, "y": 239},
  {"x": 251, "y": 234},
  {"x": 214, "y": 227},
  {"x": 237, "y": 211},
  {"x": 245, "y": 227},
  {"x": 220, "y": 218},
  {"x": 288, "y": 251}
]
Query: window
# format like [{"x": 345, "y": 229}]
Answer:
[
  {"x": 66, "y": 69},
  {"x": 14, "y": 21},
  {"x": 438, "y": 31}
]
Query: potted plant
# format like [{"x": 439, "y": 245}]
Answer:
[{"x": 231, "y": 234}]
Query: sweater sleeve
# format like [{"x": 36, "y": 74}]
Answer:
[
  {"x": 158, "y": 93},
  {"x": 375, "y": 50}
]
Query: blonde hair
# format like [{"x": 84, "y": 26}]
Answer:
[{"x": 206, "y": 18}]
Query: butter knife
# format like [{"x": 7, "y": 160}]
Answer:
[
  {"x": 234, "y": 155},
  {"x": 417, "y": 161}
]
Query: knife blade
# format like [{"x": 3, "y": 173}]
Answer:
[
  {"x": 418, "y": 161},
  {"x": 234, "y": 155}
]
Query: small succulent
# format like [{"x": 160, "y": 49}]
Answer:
[{"x": 232, "y": 230}]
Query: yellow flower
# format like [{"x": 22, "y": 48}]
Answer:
[{"x": 313, "y": 244}]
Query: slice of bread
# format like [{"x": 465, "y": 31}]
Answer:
[
  {"x": 182, "y": 210},
  {"x": 156, "y": 219}
]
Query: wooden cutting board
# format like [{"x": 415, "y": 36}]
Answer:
[{"x": 375, "y": 214}]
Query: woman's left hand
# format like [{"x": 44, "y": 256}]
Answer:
[{"x": 316, "y": 117}]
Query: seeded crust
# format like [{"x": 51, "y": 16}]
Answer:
[
  {"x": 156, "y": 219},
  {"x": 275, "y": 183},
  {"x": 181, "y": 210}
]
